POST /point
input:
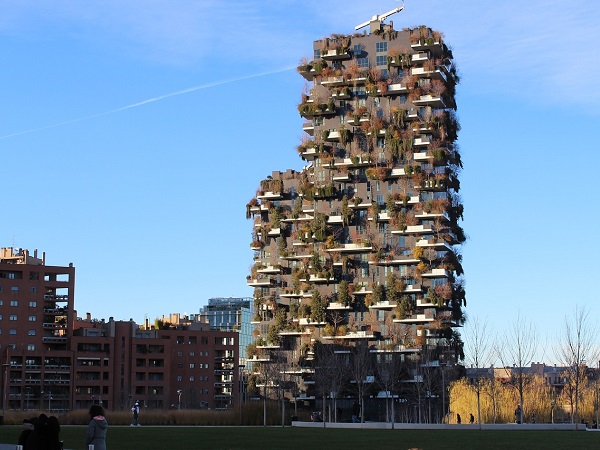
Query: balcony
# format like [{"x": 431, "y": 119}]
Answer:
[
  {"x": 54, "y": 339},
  {"x": 264, "y": 282},
  {"x": 419, "y": 57},
  {"x": 305, "y": 321},
  {"x": 270, "y": 196},
  {"x": 394, "y": 89},
  {"x": 270, "y": 270},
  {"x": 294, "y": 333},
  {"x": 422, "y": 157},
  {"x": 274, "y": 232},
  {"x": 433, "y": 215},
  {"x": 401, "y": 260},
  {"x": 436, "y": 273},
  {"x": 437, "y": 244},
  {"x": 419, "y": 318},
  {"x": 386, "y": 304},
  {"x": 421, "y": 140},
  {"x": 415, "y": 229},
  {"x": 344, "y": 177},
  {"x": 353, "y": 248},
  {"x": 337, "y": 54},
  {"x": 309, "y": 154},
  {"x": 353, "y": 336},
  {"x": 427, "y": 44},
  {"x": 334, "y": 306},
  {"x": 333, "y": 81},
  {"x": 412, "y": 289},
  {"x": 309, "y": 128},
  {"x": 430, "y": 100},
  {"x": 439, "y": 73}
]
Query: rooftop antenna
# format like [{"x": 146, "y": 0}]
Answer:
[{"x": 380, "y": 17}]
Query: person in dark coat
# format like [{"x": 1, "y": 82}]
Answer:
[
  {"x": 96, "y": 432},
  {"x": 41, "y": 433}
]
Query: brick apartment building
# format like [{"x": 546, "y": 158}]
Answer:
[{"x": 54, "y": 361}]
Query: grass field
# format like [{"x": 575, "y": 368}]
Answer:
[{"x": 191, "y": 438}]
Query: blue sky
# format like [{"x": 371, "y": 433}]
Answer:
[{"x": 148, "y": 202}]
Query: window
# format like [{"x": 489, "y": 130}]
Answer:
[
  {"x": 14, "y": 289},
  {"x": 192, "y": 353},
  {"x": 180, "y": 366},
  {"x": 192, "y": 365},
  {"x": 357, "y": 50},
  {"x": 33, "y": 290},
  {"x": 192, "y": 378},
  {"x": 13, "y": 317},
  {"x": 32, "y": 318},
  {"x": 31, "y": 333},
  {"x": 179, "y": 353},
  {"x": 12, "y": 331},
  {"x": 31, "y": 347},
  {"x": 179, "y": 378},
  {"x": 14, "y": 303},
  {"x": 381, "y": 47},
  {"x": 381, "y": 60},
  {"x": 33, "y": 304},
  {"x": 316, "y": 53}
]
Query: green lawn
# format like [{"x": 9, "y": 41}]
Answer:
[{"x": 184, "y": 438}]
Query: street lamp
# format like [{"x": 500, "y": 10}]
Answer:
[
  {"x": 179, "y": 392},
  {"x": 241, "y": 387}
]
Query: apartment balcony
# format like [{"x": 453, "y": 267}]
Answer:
[
  {"x": 386, "y": 304},
  {"x": 305, "y": 217},
  {"x": 381, "y": 217},
  {"x": 397, "y": 172},
  {"x": 419, "y": 57},
  {"x": 270, "y": 196},
  {"x": 318, "y": 279},
  {"x": 55, "y": 311},
  {"x": 258, "y": 209},
  {"x": 413, "y": 289},
  {"x": 436, "y": 273},
  {"x": 256, "y": 358},
  {"x": 295, "y": 333},
  {"x": 342, "y": 94},
  {"x": 415, "y": 229},
  {"x": 439, "y": 73},
  {"x": 353, "y": 336},
  {"x": 394, "y": 89},
  {"x": 425, "y": 303},
  {"x": 396, "y": 349},
  {"x": 295, "y": 294},
  {"x": 337, "y": 54},
  {"x": 422, "y": 157},
  {"x": 427, "y": 44},
  {"x": 335, "y": 220},
  {"x": 333, "y": 81},
  {"x": 54, "y": 326},
  {"x": 437, "y": 244},
  {"x": 422, "y": 141},
  {"x": 364, "y": 290},
  {"x": 309, "y": 154},
  {"x": 433, "y": 215},
  {"x": 430, "y": 100},
  {"x": 270, "y": 270},
  {"x": 305, "y": 321},
  {"x": 274, "y": 232},
  {"x": 264, "y": 282},
  {"x": 352, "y": 248},
  {"x": 309, "y": 128},
  {"x": 344, "y": 177},
  {"x": 412, "y": 113},
  {"x": 334, "y": 306},
  {"x": 399, "y": 261},
  {"x": 419, "y": 318}
]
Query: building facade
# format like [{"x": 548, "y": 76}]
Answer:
[
  {"x": 231, "y": 314},
  {"x": 54, "y": 361},
  {"x": 361, "y": 248}
]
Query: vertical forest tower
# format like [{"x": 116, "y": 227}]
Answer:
[{"x": 360, "y": 248}]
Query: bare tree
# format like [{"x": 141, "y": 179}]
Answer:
[
  {"x": 389, "y": 372},
  {"x": 330, "y": 376},
  {"x": 576, "y": 348},
  {"x": 361, "y": 372},
  {"x": 517, "y": 350},
  {"x": 479, "y": 353}
]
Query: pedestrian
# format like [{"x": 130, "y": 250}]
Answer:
[
  {"x": 136, "y": 414},
  {"x": 471, "y": 419},
  {"x": 355, "y": 412},
  {"x": 458, "y": 420},
  {"x": 96, "y": 432}
]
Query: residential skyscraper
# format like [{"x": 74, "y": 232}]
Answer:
[{"x": 361, "y": 247}]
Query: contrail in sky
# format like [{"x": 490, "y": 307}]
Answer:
[{"x": 151, "y": 100}]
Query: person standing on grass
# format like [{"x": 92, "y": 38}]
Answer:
[
  {"x": 96, "y": 432},
  {"x": 136, "y": 414}
]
